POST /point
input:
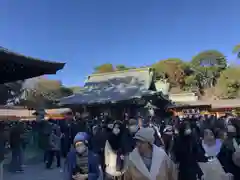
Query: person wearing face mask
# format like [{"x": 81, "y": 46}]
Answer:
[
  {"x": 115, "y": 152},
  {"x": 116, "y": 130},
  {"x": 147, "y": 161},
  {"x": 211, "y": 147},
  {"x": 210, "y": 144},
  {"x": 133, "y": 129},
  {"x": 187, "y": 132},
  {"x": 185, "y": 151},
  {"x": 133, "y": 126},
  {"x": 81, "y": 163},
  {"x": 230, "y": 153}
]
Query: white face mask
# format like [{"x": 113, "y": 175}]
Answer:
[
  {"x": 81, "y": 148},
  {"x": 188, "y": 131},
  {"x": 133, "y": 129},
  {"x": 198, "y": 124},
  {"x": 116, "y": 131},
  {"x": 110, "y": 126}
]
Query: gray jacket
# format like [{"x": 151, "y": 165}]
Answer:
[{"x": 55, "y": 142}]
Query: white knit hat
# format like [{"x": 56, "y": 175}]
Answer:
[{"x": 145, "y": 135}]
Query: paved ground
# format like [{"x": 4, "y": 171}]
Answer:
[{"x": 35, "y": 172}]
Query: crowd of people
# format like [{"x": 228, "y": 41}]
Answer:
[
  {"x": 177, "y": 149},
  {"x": 183, "y": 145}
]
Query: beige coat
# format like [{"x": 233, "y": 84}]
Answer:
[{"x": 162, "y": 167}]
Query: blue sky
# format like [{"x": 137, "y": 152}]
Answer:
[{"x": 86, "y": 33}]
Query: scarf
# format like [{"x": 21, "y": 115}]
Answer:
[{"x": 81, "y": 163}]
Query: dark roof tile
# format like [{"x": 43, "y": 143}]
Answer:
[{"x": 113, "y": 87}]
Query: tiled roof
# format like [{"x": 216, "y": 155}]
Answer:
[
  {"x": 224, "y": 103},
  {"x": 113, "y": 87},
  {"x": 15, "y": 66}
]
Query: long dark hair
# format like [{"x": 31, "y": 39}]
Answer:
[{"x": 114, "y": 140}]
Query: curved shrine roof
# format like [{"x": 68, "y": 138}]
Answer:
[{"x": 15, "y": 66}]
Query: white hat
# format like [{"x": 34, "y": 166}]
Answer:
[{"x": 145, "y": 135}]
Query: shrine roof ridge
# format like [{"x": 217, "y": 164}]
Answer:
[
  {"x": 122, "y": 71},
  {"x": 9, "y": 52}
]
